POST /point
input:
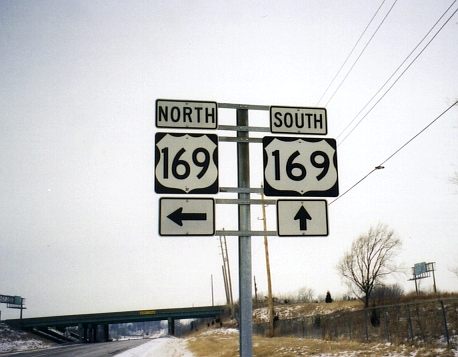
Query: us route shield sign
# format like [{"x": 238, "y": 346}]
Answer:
[
  {"x": 186, "y": 163},
  {"x": 295, "y": 166}
]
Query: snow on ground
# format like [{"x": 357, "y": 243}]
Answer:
[
  {"x": 159, "y": 347},
  {"x": 159, "y": 334},
  {"x": 289, "y": 311},
  {"x": 18, "y": 341},
  {"x": 220, "y": 332}
]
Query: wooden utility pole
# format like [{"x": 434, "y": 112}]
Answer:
[
  {"x": 227, "y": 273},
  {"x": 229, "y": 276},
  {"x": 269, "y": 281},
  {"x": 213, "y": 297},
  {"x": 226, "y": 287},
  {"x": 255, "y": 292}
]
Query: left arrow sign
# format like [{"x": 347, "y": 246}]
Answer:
[
  {"x": 186, "y": 216},
  {"x": 178, "y": 216}
]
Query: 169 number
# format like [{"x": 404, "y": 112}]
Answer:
[
  {"x": 297, "y": 171},
  {"x": 180, "y": 168}
]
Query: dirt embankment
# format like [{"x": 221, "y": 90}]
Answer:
[{"x": 289, "y": 311}]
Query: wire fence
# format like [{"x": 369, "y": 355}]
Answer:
[
  {"x": 185, "y": 327},
  {"x": 427, "y": 321}
]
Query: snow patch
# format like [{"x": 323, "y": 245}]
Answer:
[
  {"x": 163, "y": 347},
  {"x": 221, "y": 332},
  {"x": 18, "y": 341}
]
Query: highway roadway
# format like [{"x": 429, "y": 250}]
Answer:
[{"x": 84, "y": 350}]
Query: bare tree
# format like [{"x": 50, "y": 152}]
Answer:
[
  {"x": 369, "y": 260},
  {"x": 454, "y": 178},
  {"x": 454, "y": 270},
  {"x": 305, "y": 294}
]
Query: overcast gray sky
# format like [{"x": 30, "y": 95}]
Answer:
[{"x": 79, "y": 216}]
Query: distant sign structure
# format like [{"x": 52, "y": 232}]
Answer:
[
  {"x": 298, "y": 120},
  {"x": 299, "y": 218},
  {"x": 295, "y": 166},
  {"x": 12, "y": 300},
  {"x": 420, "y": 268},
  {"x": 186, "y": 163},
  {"x": 186, "y": 217},
  {"x": 188, "y": 114}
]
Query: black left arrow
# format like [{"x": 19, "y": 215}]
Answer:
[
  {"x": 178, "y": 216},
  {"x": 302, "y": 215}
]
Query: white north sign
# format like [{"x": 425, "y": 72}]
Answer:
[
  {"x": 186, "y": 217},
  {"x": 300, "y": 167},
  {"x": 297, "y": 218},
  {"x": 186, "y": 114},
  {"x": 298, "y": 120},
  {"x": 186, "y": 163}
]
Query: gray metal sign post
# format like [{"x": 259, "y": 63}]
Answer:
[
  {"x": 243, "y": 169},
  {"x": 293, "y": 166}
]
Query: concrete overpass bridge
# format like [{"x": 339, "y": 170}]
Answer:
[{"x": 94, "y": 327}]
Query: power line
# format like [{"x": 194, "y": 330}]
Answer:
[
  {"x": 351, "y": 52},
  {"x": 360, "y": 54},
  {"x": 380, "y": 166},
  {"x": 420, "y": 132},
  {"x": 392, "y": 75},
  {"x": 399, "y": 77}
]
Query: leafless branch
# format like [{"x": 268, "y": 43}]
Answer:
[{"x": 370, "y": 259}]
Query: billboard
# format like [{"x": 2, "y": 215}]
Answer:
[{"x": 419, "y": 269}]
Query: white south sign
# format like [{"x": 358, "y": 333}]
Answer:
[
  {"x": 298, "y": 120},
  {"x": 186, "y": 163},
  {"x": 300, "y": 167}
]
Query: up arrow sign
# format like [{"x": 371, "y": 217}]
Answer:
[
  {"x": 178, "y": 216},
  {"x": 311, "y": 214},
  {"x": 302, "y": 215}
]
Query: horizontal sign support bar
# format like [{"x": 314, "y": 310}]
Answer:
[
  {"x": 243, "y": 106},
  {"x": 244, "y": 128},
  {"x": 246, "y": 234},
  {"x": 229, "y": 201},
  {"x": 232, "y": 139},
  {"x": 240, "y": 190}
]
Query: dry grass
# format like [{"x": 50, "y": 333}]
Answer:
[
  {"x": 288, "y": 311},
  {"x": 413, "y": 297},
  {"x": 220, "y": 343},
  {"x": 225, "y": 342},
  {"x": 307, "y": 309}
]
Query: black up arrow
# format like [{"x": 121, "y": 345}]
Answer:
[
  {"x": 302, "y": 215},
  {"x": 178, "y": 216}
]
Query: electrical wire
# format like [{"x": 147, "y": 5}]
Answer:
[
  {"x": 360, "y": 54},
  {"x": 380, "y": 166},
  {"x": 351, "y": 52},
  {"x": 392, "y": 75},
  {"x": 399, "y": 77}
]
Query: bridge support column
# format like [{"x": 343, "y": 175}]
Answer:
[
  {"x": 82, "y": 332},
  {"x": 95, "y": 329},
  {"x": 92, "y": 333},
  {"x": 106, "y": 332},
  {"x": 171, "y": 326},
  {"x": 101, "y": 333}
]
